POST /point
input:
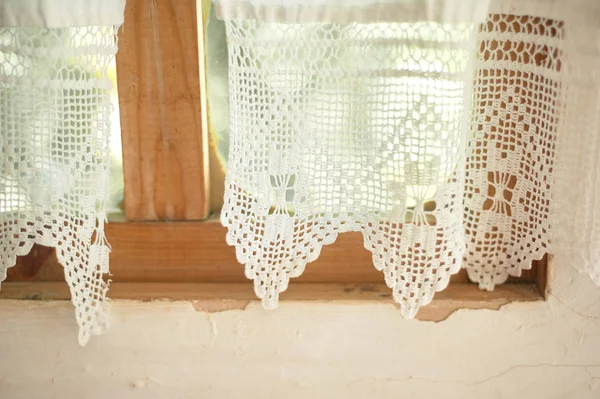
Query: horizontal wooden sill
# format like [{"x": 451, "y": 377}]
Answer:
[
  {"x": 221, "y": 296},
  {"x": 197, "y": 252}
]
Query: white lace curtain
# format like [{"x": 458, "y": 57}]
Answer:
[
  {"x": 449, "y": 132},
  {"x": 54, "y": 136}
]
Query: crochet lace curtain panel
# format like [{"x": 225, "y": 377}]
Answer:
[
  {"x": 54, "y": 137},
  {"x": 450, "y": 133}
]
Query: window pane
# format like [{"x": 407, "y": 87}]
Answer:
[
  {"x": 116, "y": 206},
  {"x": 423, "y": 146},
  {"x": 218, "y": 104},
  {"x": 52, "y": 106}
]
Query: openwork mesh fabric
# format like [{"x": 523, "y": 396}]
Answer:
[
  {"x": 339, "y": 127},
  {"x": 54, "y": 136},
  {"x": 513, "y": 151},
  {"x": 532, "y": 183},
  {"x": 447, "y": 143}
]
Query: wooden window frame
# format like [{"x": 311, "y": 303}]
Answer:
[{"x": 170, "y": 245}]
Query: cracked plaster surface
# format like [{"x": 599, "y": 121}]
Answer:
[{"x": 528, "y": 350}]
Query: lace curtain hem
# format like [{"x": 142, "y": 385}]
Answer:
[
  {"x": 55, "y": 116},
  {"x": 366, "y": 126}
]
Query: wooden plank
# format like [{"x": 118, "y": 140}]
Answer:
[
  {"x": 238, "y": 291},
  {"x": 219, "y": 297},
  {"x": 197, "y": 252},
  {"x": 39, "y": 264},
  {"x": 164, "y": 146}
]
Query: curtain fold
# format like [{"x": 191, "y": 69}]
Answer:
[
  {"x": 54, "y": 136},
  {"x": 512, "y": 158},
  {"x": 450, "y": 133}
]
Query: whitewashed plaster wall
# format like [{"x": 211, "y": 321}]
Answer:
[{"x": 325, "y": 350}]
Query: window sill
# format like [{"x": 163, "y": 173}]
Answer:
[{"x": 213, "y": 297}]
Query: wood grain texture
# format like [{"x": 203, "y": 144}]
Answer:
[
  {"x": 164, "y": 159},
  {"x": 197, "y": 252}
]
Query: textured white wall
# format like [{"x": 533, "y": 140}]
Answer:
[{"x": 170, "y": 350}]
